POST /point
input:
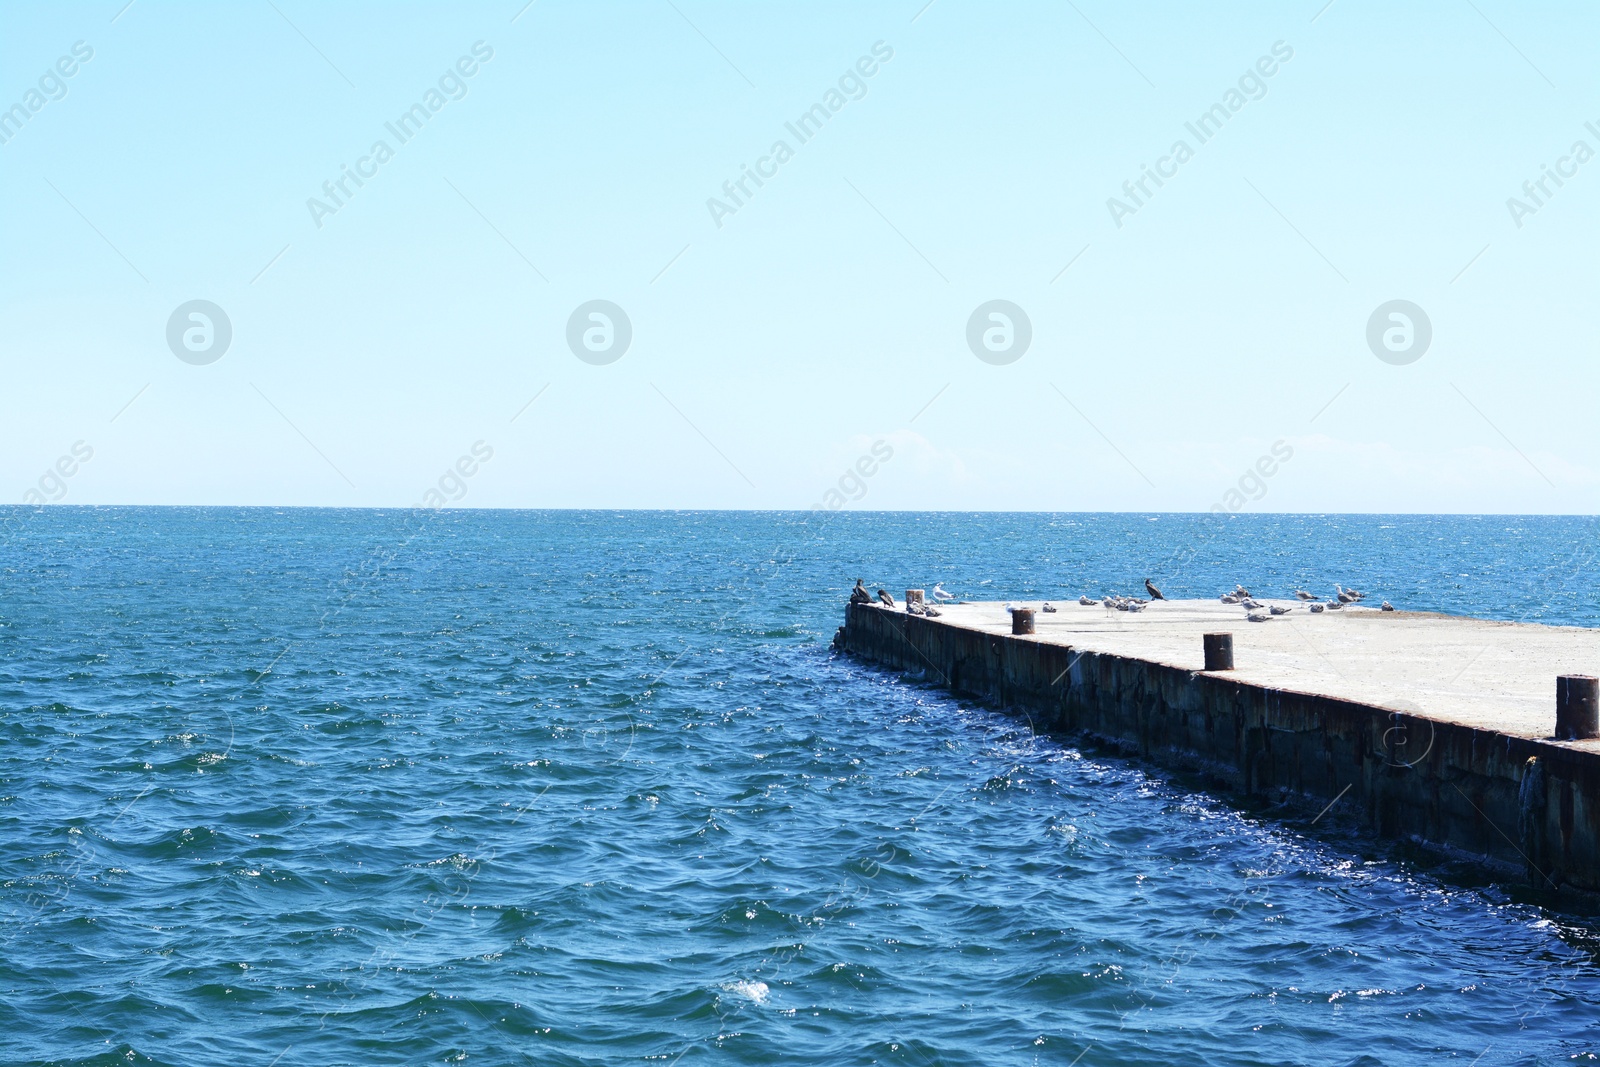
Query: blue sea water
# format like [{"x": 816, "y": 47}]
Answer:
[{"x": 358, "y": 787}]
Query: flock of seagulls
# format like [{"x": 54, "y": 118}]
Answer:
[
  {"x": 1117, "y": 603},
  {"x": 1255, "y": 610},
  {"x": 1312, "y": 602}
]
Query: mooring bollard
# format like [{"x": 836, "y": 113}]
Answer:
[
  {"x": 1577, "y": 707},
  {"x": 1219, "y": 652},
  {"x": 1022, "y": 621},
  {"x": 913, "y": 596}
]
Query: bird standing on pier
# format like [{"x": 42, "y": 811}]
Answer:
[
  {"x": 939, "y": 594},
  {"x": 885, "y": 599},
  {"x": 1301, "y": 594},
  {"x": 859, "y": 594},
  {"x": 1155, "y": 594}
]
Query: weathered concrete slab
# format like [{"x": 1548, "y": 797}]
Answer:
[
  {"x": 1497, "y": 676},
  {"x": 1434, "y": 729}
]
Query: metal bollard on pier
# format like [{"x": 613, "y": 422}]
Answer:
[
  {"x": 1219, "y": 651},
  {"x": 1577, "y": 707}
]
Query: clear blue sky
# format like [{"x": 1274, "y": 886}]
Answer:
[{"x": 1227, "y": 312}]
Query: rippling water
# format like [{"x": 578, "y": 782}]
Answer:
[{"x": 318, "y": 787}]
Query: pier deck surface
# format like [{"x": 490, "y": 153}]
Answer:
[{"x": 1492, "y": 675}]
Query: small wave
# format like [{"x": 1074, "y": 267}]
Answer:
[{"x": 755, "y": 992}]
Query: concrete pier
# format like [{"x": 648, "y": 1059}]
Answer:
[{"x": 1432, "y": 728}]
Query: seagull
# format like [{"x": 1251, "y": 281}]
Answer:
[
  {"x": 885, "y": 599},
  {"x": 1240, "y": 591},
  {"x": 1251, "y": 604},
  {"x": 1386, "y": 606},
  {"x": 1344, "y": 597},
  {"x": 1047, "y": 608},
  {"x": 931, "y": 612},
  {"x": 1279, "y": 611},
  {"x": 939, "y": 593},
  {"x": 1256, "y": 616},
  {"x": 1335, "y": 605},
  {"x": 1229, "y": 598},
  {"x": 1316, "y": 609},
  {"x": 913, "y": 608},
  {"x": 1135, "y": 605},
  {"x": 1355, "y": 594},
  {"x": 1301, "y": 594},
  {"x": 859, "y": 594},
  {"x": 1155, "y": 594},
  {"x": 1085, "y": 601}
]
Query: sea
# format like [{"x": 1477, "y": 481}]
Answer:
[{"x": 302, "y": 786}]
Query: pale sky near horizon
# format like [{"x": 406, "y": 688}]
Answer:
[{"x": 569, "y": 153}]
